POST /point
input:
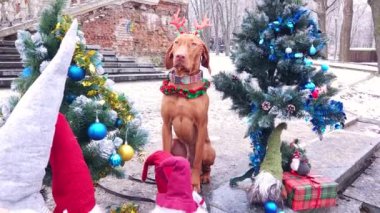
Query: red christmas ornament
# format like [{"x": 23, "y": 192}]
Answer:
[{"x": 315, "y": 93}]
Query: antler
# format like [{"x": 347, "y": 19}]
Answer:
[
  {"x": 205, "y": 23},
  {"x": 178, "y": 22}
]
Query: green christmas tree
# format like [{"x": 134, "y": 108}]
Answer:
[
  {"x": 107, "y": 127},
  {"x": 274, "y": 49}
]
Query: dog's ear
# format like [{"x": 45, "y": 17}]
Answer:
[
  {"x": 169, "y": 57},
  {"x": 205, "y": 61}
]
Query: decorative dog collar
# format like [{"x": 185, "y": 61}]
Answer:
[
  {"x": 185, "y": 79},
  {"x": 184, "y": 93}
]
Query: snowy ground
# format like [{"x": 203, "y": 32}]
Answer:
[{"x": 226, "y": 129}]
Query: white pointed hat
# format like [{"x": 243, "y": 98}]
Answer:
[{"x": 26, "y": 137}]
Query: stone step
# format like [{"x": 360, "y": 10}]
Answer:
[
  {"x": 109, "y": 58},
  {"x": 119, "y": 65},
  {"x": 8, "y": 50},
  {"x": 107, "y": 53},
  {"x": 126, "y": 59},
  {"x": 137, "y": 77},
  {"x": 10, "y": 57},
  {"x": 13, "y": 65},
  {"x": 129, "y": 70},
  {"x": 367, "y": 187},
  {"x": 93, "y": 47},
  {"x": 342, "y": 155},
  {"x": 10, "y": 72},
  {"x": 126, "y": 64},
  {"x": 6, "y": 43},
  {"x": 6, "y": 82}
]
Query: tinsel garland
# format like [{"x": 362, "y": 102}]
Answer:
[{"x": 84, "y": 59}]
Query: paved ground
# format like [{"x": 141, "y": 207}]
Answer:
[{"x": 226, "y": 130}]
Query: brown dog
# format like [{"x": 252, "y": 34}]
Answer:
[{"x": 188, "y": 117}]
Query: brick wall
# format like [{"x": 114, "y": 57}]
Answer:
[{"x": 131, "y": 29}]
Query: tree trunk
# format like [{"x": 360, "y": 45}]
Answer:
[
  {"x": 336, "y": 39},
  {"x": 345, "y": 35},
  {"x": 375, "y": 6},
  {"x": 322, "y": 10}
]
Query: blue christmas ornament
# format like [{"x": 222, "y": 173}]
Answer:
[
  {"x": 308, "y": 62},
  {"x": 325, "y": 67},
  {"x": 310, "y": 86},
  {"x": 270, "y": 207},
  {"x": 338, "y": 126},
  {"x": 272, "y": 57},
  {"x": 298, "y": 55},
  {"x": 70, "y": 98},
  {"x": 115, "y": 160},
  {"x": 26, "y": 72},
  {"x": 323, "y": 129},
  {"x": 76, "y": 73},
  {"x": 97, "y": 131},
  {"x": 253, "y": 107},
  {"x": 118, "y": 123},
  {"x": 312, "y": 50},
  {"x": 290, "y": 25}
]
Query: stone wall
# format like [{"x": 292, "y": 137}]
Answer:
[{"x": 131, "y": 28}]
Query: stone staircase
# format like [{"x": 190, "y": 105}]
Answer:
[
  {"x": 10, "y": 63},
  {"x": 118, "y": 69}
]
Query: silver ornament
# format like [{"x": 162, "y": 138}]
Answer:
[
  {"x": 106, "y": 148},
  {"x": 288, "y": 50},
  {"x": 117, "y": 142}
]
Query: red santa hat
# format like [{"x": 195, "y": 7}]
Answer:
[
  {"x": 72, "y": 185},
  {"x": 179, "y": 194},
  {"x": 155, "y": 159}
]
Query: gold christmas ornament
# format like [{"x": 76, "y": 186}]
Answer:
[{"x": 126, "y": 152}]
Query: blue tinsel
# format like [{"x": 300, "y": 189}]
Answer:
[{"x": 259, "y": 150}]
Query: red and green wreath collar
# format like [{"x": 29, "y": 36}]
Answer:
[{"x": 184, "y": 93}]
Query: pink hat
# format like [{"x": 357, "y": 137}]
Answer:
[
  {"x": 155, "y": 159},
  {"x": 179, "y": 192},
  {"x": 72, "y": 185}
]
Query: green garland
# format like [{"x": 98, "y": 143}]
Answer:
[{"x": 184, "y": 93}]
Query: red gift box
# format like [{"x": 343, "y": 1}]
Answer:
[{"x": 309, "y": 192}]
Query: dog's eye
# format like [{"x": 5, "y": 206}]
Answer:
[
  {"x": 175, "y": 42},
  {"x": 194, "y": 44}
]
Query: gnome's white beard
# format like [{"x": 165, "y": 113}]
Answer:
[
  {"x": 266, "y": 187},
  {"x": 27, "y": 135}
]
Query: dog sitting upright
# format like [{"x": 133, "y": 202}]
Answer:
[{"x": 185, "y": 103}]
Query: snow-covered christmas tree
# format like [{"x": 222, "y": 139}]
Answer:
[
  {"x": 275, "y": 49},
  {"x": 107, "y": 127}
]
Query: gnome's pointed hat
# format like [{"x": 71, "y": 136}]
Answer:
[
  {"x": 26, "y": 137},
  {"x": 72, "y": 185},
  {"x": 155, "y": 159},
  {"x": 179, "y": 194}
]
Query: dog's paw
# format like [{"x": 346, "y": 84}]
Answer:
[
  {"x": 195, "y": 180},
  {"x": 205, "y": 179},
  {"x": 197, "y": 188}
]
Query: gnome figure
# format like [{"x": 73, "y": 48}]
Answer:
[
  {"x": 300, "y": 164},
  {"x": 26, "y": 144},
  {"x": 173, "y": 179}
]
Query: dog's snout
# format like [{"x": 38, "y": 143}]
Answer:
[{"x": 180, "y": 56}]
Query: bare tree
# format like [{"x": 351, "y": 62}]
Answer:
[
  {"x": 345, "y": 35},
  {"x": 375, "y": 6},
  {"x": 201, "y": 9},
  {"x": 215, "y": 19},
  {"x": 325, "y": 7}
]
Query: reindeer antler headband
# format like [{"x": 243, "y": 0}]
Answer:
[{"x": 180, "y": 22}]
